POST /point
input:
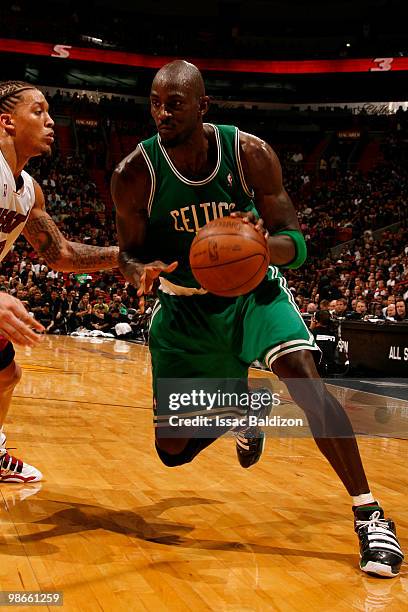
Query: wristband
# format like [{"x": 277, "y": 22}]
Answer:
[{"x": 300, "y": 247}]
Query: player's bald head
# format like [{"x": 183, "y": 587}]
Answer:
[{"x": 181, "y": 74}]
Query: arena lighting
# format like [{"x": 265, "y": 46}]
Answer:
[
  {"x": 378, "y": 64},
  {"x": 92, "y": 39}
]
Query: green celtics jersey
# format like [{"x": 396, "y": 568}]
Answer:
[{"x": 178, "y": 207}]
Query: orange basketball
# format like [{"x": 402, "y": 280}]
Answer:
[{"x": 229, "y": 257}]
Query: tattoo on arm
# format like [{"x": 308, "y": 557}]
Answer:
[
  {"x": 59, "y": 253},
  {"x": 45, "y": 237},
  {"x": 87, "y": 258}
]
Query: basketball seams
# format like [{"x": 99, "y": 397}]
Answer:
[
  {"x": 229, "y": 258},
  {"x": 231, "y": 234},
  {"x": 228, "y": 263},
  {"x": 247, "y": 281}
]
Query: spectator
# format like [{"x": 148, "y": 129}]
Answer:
[
  {"x": 117, "y": 303},
  {"x": 27, "y": 273},
  {"x": 84, "y": 312},
  {"x": 36, "y": 303},
  {"x": 55, "y": 304},
  {"x": 100, "y": 305},
  {"x": 40, "y": 266},
  {"x": 359, "y": 312},
  {"x": 390, "y": 312},
  {"x": 311, "y": 308},
  {"x": 324, "y": 305},
  {"x": 390, "y": 300},
  {"x": 340, "y": 308},
  {"x": 45, "y": 318},
  {"x": 100, "y": 320},
  {"x": 325, "y": 333},
  {"x": 70, "y": 309},
  {"x": 116, "y": 318},
  {"x": 401, "y": 311}
]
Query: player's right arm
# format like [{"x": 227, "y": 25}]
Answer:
[{"x": 130, "y": 188}]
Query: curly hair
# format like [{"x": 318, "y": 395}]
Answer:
[{"x": 10, "y": 94}]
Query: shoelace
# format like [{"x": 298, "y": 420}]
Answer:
[
  {"x": 246, "y": 435},
  {"x": 373, "y": 521}
]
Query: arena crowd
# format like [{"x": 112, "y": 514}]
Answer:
[{"x": 365, "y": 278}]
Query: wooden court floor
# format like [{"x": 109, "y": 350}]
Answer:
[{"x": 114, "y": 529}]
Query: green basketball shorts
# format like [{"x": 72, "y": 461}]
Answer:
[{"x": 205, "y": 336}]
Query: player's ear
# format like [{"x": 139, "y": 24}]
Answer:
[
  {"x": 204, "y": 104},
  {"x": 7, "y": 123}
]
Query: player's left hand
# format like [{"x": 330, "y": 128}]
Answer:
[
  {"x": 250, "y": 217},
  {"x": 150, "y": 273}
]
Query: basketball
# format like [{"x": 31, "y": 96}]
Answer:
[{"x": 229, "y": 257}]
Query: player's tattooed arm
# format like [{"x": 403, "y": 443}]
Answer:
[
  {"x": 42, "y": 233},
  {"x": 59, "y": 253}
]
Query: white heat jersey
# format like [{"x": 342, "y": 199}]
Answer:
[{"x": 14, "y": 207}]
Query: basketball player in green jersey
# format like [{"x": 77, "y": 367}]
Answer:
[{"x": 169, "y": 187}]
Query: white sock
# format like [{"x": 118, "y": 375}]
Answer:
[{"x": 361, "y": 500}]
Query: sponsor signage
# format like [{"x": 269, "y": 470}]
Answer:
[{"x": 379, "y": 348}]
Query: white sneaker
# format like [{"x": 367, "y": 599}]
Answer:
[{"x": 15, "y": 470}]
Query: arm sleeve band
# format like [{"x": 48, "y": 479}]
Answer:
[{"x": 300, "y": 246}]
